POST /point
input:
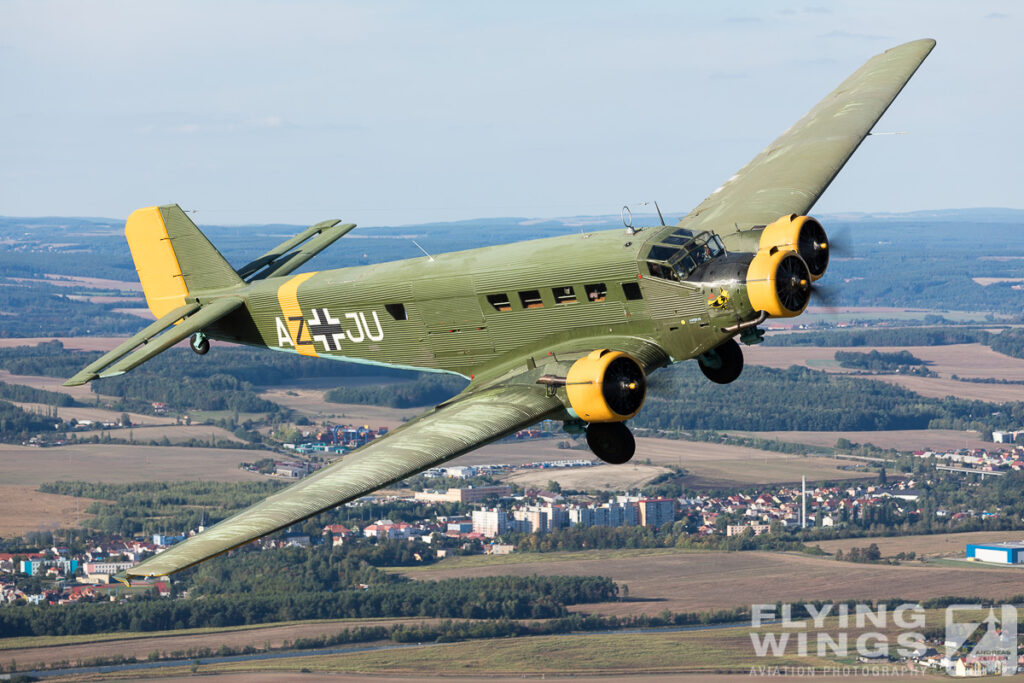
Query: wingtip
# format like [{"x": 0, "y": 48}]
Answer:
[{"x": 928, "y": 43}]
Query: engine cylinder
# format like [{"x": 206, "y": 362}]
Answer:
[{"x": 606, "y": 386}]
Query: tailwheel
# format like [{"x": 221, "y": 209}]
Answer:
[
  {"x": 199, "y": 343},
  {"x": 611, "y": 441},
  {"x": 723, "y": 364}
]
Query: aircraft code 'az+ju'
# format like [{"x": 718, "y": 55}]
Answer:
[{"x": 327, "y": 330}]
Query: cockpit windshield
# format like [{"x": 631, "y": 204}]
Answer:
[{"x": 678, "y": 254}]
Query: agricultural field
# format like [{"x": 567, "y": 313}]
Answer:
[
  {"x": 583, "y": 656},
  {"x": 99, "y": 414},
  {"x": 689, "y": 581},
  {"x": 119, "y": 464},
  {"x": 90, "y": 282},
  {"x": 815, "y": 314},
  {"x": 309, "y": 677},
  {"x": 40, "y": 650},
  {"x": 306, "y": 397},
  {"x": 73, "y": 343},
  {"x": 964, "y": 360},
  {"x": 82, "y": 394},
  {"x": 24, "y": 509},
  {"x": 934, "y": 545},
  {"x": 710, "y": 465},
  {"x": 900, "y": 439},
  {"x": 603, "y": 477}
]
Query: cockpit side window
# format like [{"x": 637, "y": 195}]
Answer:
[
  {"x": 680, "y": 253},
  {"x": 664, "y": 271},
  {"x": 661, "y": 252}
]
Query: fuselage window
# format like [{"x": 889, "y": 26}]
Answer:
[
  {"x": 564, "y": 295},
  {"x": 596, "y": 292},
  {"x": 531, "y": 299},
  {"x": 500, "y": 302},
  {"x": 397, "y": 311},
  {"x": 632, "y": 291}
]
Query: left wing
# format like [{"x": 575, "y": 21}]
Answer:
[
  {"x": 470, "y": 420},
  {"x": 792, "y": 172}
]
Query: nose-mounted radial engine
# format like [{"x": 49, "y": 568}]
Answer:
[
  {"x": 604, "y": 389},
  {"x": 789, "y": 255}
]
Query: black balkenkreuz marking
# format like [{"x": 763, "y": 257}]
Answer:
[{"x": 326, "y": 330}]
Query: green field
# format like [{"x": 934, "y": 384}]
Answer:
[{"x": 696, "y": 652}]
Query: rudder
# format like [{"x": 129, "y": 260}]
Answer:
[{"x": 173, "y": 258}]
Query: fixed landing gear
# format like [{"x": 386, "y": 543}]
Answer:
[
  {"x": 199, "y": 343},
  {"x": 723, "y": 364},
  {"x": 611, "y": 441}
]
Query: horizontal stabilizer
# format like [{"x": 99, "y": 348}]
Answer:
[
  {"x": 159, "y": 336},
  {"x": 292, "y": 253}
]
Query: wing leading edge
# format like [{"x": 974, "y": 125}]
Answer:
[
  {"x": 467, "y": 422},
  {"x": 792, "y": 172}
]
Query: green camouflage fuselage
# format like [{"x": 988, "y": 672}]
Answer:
[{"x": 456, "y": 312}]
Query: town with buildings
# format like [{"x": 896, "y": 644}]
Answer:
[{"x": 499, "y": 518}]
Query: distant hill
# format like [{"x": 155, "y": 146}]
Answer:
[{"x": 979, "y": 215}]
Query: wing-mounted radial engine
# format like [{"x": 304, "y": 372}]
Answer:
[
  {"x": 604, "y": 389},
  {"x": 792, "y": 253}
]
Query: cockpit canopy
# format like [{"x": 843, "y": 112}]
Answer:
[{"x": 679, "y": 253}]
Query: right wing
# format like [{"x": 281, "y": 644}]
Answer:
[
  {"x": 792, "y": 172},
  {"x": 487, "y": 410},
  {"x": 468, "y": 421}
]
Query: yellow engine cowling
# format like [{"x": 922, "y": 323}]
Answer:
[
  {"x": 778, "y": 283},
  {"x": 801, "y": 234},
  {"x": 606, "y": 386}
]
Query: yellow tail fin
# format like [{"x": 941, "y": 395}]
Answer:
[{"x": 173, "y": 258}]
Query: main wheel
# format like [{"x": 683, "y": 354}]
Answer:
[
  {"x": 722, "y": 364},
  {"x": 611, "y": 441},
  {"x": 199, "y": 343}
]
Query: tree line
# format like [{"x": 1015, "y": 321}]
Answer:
[
  {"x": 502, "y": 597},
  {"x": 876, "y": 360},
  {"x": 798, "y": 398}
]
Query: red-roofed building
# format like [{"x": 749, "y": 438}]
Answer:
[{"x": 339, "y": 533}]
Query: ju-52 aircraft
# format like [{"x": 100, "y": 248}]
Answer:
[{"x": 565, "y": 328}]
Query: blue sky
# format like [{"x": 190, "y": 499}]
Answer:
[{"x": 386, "y": 113}]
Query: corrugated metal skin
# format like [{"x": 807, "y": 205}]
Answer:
[
  {"x": 451, "y": 313},
  {"x": 558, "y": 275},
  {"x": 448, "y": 293},
  {"x": 512, "y": 329},
  {"x": 461, "y": 347},
  {"x": 426, "y": 442},
  {"x": 202, "y": 266},
  {"x": 666, "y": 302}
]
